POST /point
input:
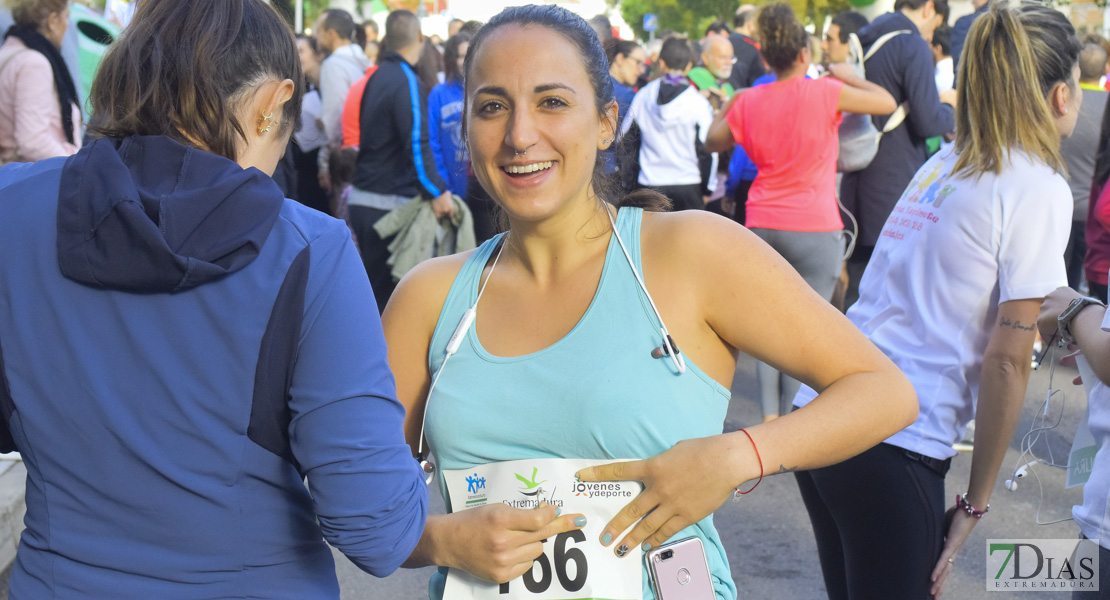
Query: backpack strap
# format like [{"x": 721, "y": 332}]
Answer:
[
  {"x": 897, "y": 117},
  {"x": 881, "y": 41},
  {"x": 899, "y": 114}
]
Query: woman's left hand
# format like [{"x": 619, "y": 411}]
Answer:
[
  {"x": 1051, "y": 307},
  {"x": 959, "y": 527},
  {"x": 681, "y": 487}
]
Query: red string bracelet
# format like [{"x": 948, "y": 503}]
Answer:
[{"x": 738, "y": 493}]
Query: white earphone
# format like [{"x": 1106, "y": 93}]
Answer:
[
  {"x": 668, "y": 347},
  {"x": 1036, "y": 432},
  {"x": 1020, "y": 472}
]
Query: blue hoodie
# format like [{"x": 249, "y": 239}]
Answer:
[
  {"x": 179, "y": 347},
  {"x": 445, "y": 106}
]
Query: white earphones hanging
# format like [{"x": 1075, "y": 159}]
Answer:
[
  {"x": 668, "y": 348},
  {"x": 453, "y": 345},
  {"x": 1034, "y": 435}
]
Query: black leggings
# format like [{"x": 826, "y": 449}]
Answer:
[
  {"x": 374, "y": 251},
  {"x": 879, "y": 523},
  {"x": 1103, "y": 578}
]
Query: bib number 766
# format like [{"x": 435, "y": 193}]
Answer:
[{"x": 563, "y": 556}]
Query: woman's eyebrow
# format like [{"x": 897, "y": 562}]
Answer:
[
  {"x": 494, "y": 90},
  {"x": 547, "y": 87}
]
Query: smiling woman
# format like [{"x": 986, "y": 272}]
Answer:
[{"x": 570, "y": 353}]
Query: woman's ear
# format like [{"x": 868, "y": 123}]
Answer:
[
  {"x": 608, "y": 130},
  {"x": 271, "y": 99},
  {"x": 1060, "y": 98}
]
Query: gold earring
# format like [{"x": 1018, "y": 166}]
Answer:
[{"x": 265, "y": 119}]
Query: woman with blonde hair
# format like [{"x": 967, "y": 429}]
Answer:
[
  {"x": 39, "y": 112},
  {"x": 182, "y": 347},
  {"x": 952, "y": 296}
]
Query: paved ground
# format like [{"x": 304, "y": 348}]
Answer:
[{"x": 768, "y": 536}]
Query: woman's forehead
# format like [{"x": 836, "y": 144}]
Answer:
[{"x": 526, "y": 53}]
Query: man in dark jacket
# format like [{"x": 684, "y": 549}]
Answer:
[
  {"x": 749, "y": 64},
  {"x": 904, "y": 67},
  {"x": 395, "y": 161},
  {"x": 962, "y": 26}
]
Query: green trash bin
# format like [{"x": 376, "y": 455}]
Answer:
[{"x": 94, "y": 35}]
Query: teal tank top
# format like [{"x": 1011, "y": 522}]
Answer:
[{"x": 595, "y": 394}]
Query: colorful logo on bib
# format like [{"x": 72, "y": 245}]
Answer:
[
  {"x": 475, "y": 483},
  {"x": 531, "y": 486}
]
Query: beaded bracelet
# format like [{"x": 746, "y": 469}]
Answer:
[
  {"x": 738, "y": 493},
  {"x": 964, "y": 505}
]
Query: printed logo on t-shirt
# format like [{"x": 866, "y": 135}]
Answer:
[{"x": 918, "y": 206}]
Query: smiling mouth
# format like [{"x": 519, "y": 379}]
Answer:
[{"x": 528, "y": 169}]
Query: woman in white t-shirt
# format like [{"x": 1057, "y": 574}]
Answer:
[
  {"x": 1085, "y": 323},
  {"x": 951, "y": 295}
]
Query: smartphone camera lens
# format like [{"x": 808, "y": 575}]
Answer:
[{"x": 667, "y": 555}]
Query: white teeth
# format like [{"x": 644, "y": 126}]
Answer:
[{"x": 532, "y": 168}]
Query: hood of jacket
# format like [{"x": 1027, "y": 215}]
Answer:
[
  {"x": 147, "y": 214},
  {"x": 884, "y": 24},
  {"x": 353, "y": 55},
  {"x": 672, "y": 101}
]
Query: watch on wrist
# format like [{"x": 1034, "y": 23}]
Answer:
[{"x": 1063, "y": 322}]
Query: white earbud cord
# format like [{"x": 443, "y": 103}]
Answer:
[
  {"x": 452, "y": 347},
  {"x": 1035, "y": 434},
  {"x": 676, "y": 358}
]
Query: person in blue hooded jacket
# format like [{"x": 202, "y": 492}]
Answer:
[
  {"x": 181, "y": 347},
  {"x": 445, "y": 107}
]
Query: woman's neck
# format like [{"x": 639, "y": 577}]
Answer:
[
  {"x": 795, "y": 70},
  {"x": 561, "y": 242}
]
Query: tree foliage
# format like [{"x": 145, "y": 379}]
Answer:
[
  {"x": 691, "y": 17},
  {"x": 684, "y": 16}
]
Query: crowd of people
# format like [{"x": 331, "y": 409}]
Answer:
[{"x": 547, "y": 238}]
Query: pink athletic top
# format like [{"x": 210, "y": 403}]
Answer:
[
  {"x": 30, "y": 123},
  {"x": 788, "y": 129}
]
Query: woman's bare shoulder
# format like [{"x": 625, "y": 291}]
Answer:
[
  {"x": 422, "y": 291},
  {"x": 694, "y": 234}
]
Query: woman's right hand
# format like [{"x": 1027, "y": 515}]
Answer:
[{"x": 497, "y": 542}]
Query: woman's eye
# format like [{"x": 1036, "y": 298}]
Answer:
[
  {"x": 489, "y": 108},
  {"x": 553, "y": 103}
]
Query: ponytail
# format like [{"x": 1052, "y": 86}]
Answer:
[
  {"x": 781, "y": 36},
  {"x": 1012, "y": 60}
]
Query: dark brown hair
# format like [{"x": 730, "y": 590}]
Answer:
[
  {"x": 451, "y": 56},
  {"x": 781, "y": 36},
  {"x": 181, "y": 68},
  {"x": 341, "y": 22}
]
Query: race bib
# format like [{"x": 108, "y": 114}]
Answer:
[{"x": 574, "y": 565}]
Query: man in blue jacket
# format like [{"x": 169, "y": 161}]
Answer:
[
  {"x": 395, "y": 159},
  {"x": 904, "y": 67}
]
